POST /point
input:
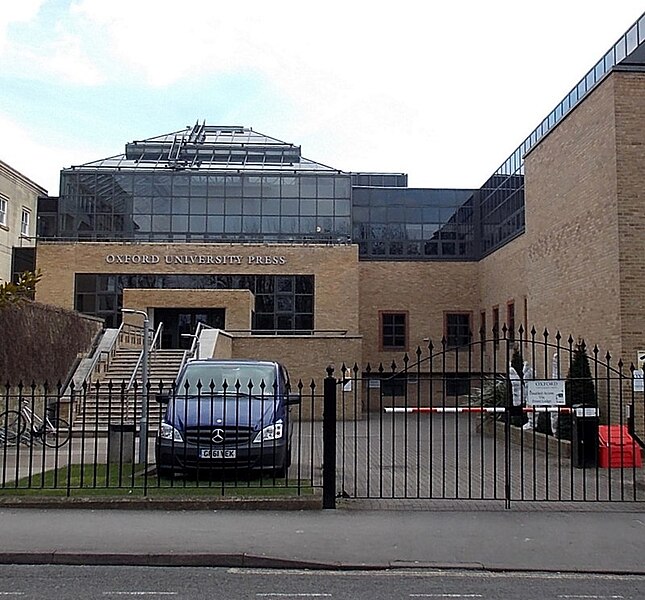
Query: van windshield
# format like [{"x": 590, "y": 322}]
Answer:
[{"x": 249, "y": 376}]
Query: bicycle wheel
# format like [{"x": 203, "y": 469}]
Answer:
[
  {"x": 12, "y": 426},
  {"x": 56, "y": 432}
]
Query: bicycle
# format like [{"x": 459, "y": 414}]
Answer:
[{"x": 48, "y": 430}]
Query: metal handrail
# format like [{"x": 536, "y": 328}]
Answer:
[
  {"x": 195, "y": 344},
  {"x": 153, "y": 345},
  {"x": 291, "y": 332},
  {"x": 97, "y": 357}
]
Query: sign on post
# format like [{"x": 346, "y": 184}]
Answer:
[
  {"x": 640, "y": 359},
  {"x": 545, "y": 392}
]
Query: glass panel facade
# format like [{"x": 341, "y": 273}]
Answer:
[
  {"x": 99, "y": 206},
  {"x": 281, "y": 301},
  {"x": 413, "y": 224}
]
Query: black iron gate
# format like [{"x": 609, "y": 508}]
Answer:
[{"x": 509, "y": 418}]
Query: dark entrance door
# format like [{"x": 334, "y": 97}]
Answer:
[{"x": 184, "y": 320}]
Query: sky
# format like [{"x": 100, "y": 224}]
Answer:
[{"x": 442, "y": 91}]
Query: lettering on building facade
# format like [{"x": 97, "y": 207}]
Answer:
[{"x": 193, "y": 259}]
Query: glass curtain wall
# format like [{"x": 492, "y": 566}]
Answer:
[
  {"x": 413, "y": 224},
  {"x": 191, "y": 207}
]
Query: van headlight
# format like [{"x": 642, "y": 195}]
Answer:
[
  {"x": 168, "y": 432},
  {"x": 270, "y": 433}
]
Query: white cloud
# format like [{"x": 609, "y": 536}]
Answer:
[
  {"x": 444, "y": 91},
  {"x": 68, "y": 60},
  {"x": 13, "y": 12},
  {"x": 38, "y": 155}
]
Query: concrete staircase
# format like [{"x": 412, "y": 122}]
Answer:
[{"x": 109, "y": 401}]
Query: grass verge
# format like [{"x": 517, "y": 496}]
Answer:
[{"x": 101, "y": 481}]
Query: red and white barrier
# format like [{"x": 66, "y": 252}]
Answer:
[{"x": 474, "y": 409}]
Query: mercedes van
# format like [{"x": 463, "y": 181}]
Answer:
[{"x": 226, "y": 414}]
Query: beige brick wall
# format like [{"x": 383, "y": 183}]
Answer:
[
  {"x": 572, "y": 259},
  {"x": 502, "y": 277},
  {"x": 307, "y": 359},
  {"x": 335, "y": 269},
  {"x": 425, "y": 289},
  {"x": 630, "y": 166}
]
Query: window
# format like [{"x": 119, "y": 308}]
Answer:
[
  {"x": 394, "y": 331},
  {"x": 457, "y": 329},
  {"x": 394, "y": 385},
  {"x": 510, "y": 319},
  {"x": 24, "y": 222},
  {"x": 496, "y": 325},
  {"x": 3, "y": 211},
  {"x": 457, "y": 384}
]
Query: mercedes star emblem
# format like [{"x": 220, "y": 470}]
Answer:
[{"x": 218, "y": 436}]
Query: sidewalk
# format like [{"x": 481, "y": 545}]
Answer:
[{"x": 549, "y": 540}]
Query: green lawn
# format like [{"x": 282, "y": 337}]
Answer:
[{"x": 127, "y": 481}]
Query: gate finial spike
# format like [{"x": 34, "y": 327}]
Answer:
[{"x": 330, "y": 371}]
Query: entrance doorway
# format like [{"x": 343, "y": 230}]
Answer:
[{"x": 177, "y": 321}]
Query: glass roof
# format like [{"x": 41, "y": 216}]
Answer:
[{"x": 210, "y": 148}]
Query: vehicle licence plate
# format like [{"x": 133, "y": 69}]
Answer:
[{"x": 216, "y": 453}]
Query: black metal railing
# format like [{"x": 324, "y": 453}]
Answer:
[
  {"x": 87, "y": 440},
  {"x": 513, "y": 418},
  {"x": 458, "y": 423}
]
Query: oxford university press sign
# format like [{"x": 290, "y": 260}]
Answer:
[{"x": 195, "y": 259}]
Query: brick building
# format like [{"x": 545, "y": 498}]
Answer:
[{"x": 310, "y": 264}]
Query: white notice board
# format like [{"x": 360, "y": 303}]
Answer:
[{"x": 545, "y": 392}]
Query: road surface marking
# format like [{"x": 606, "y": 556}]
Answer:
[
  {"x": 588, "y": 597},
  {"x": 439, "y": 574},
  {"x": 301, "y": 595},
  {"x": 445, "y": 596},
  {"x": 139, "y": 593}
]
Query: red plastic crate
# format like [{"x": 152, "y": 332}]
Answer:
[{"x": 617, "y": 448}]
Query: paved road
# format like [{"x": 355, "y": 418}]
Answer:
[
  {"x": 541, "y": 541},
  {"x": 94, "y": 582}
]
